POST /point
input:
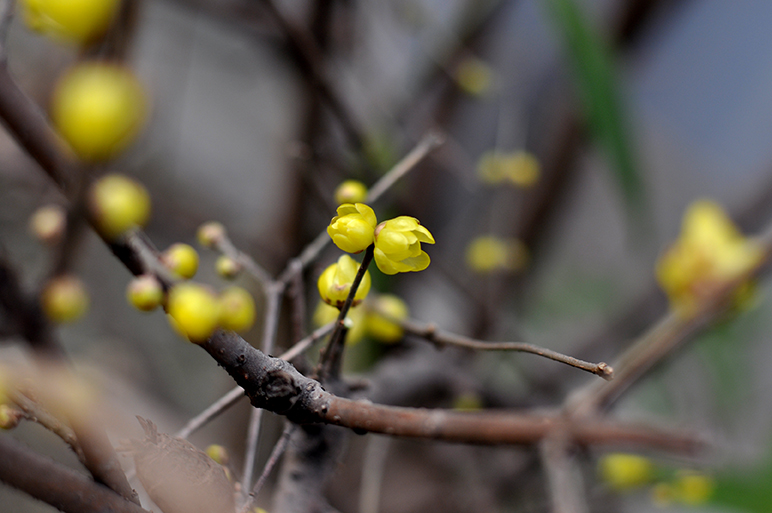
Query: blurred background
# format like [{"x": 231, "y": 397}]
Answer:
[{"x": 633, "y": 108}]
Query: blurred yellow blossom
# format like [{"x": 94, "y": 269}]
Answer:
[
  {"x": 352, "y": 229},
  {"x": 335, "y": 282},
  {"x": 325, "y": 313},
  {"x": 350, "y": 191},
  {"x": 398, "y": 245},
  {"x": 709, "y": 253},
  {"x": 489, "y": 253},
  {"x": 379, "y": 314},
  {"x": 693, "y": 488},
  {"x": 474, "y": 76},
  {"x": 622, "y": 471},
  {"x": 521, "y": 168}
]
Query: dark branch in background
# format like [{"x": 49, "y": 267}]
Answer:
[
  {"x": 273, "y": 384},
  {"x": 59, "y": 486}
]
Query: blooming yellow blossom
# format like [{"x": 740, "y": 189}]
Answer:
[
  {"x": 355, "y": 320},
  {"x": 378, "y": 319},
  {"x": 709, "y": 253},
  {"x": 623, "y": 471},
  {"x": 489, "y": 253},
  {"x": 521, "y": 168},
  {"x": 398, "y": 245},
  {"x": 335, "y": 282},
  {"x": 353, "y": 228}
]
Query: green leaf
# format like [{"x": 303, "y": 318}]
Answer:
[{"x": 595, "y": 72}]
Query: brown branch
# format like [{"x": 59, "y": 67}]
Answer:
[
  {"x": 36, "y": 413},
  {"x": 275, "y": 385},
  {"x": 61, "y": 487},
  {"x": 441, "y": 338}
]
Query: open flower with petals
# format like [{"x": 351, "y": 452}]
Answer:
[
  {"x": 352, "y": 229},
  {"x": 398, "y": 245},
  {"x": 709, "y": 253},
  {"x": 335, "y": 282}
]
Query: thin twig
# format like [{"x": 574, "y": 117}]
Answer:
[
  {"x": 273, "y": 459},
  {"x": 225, "y": 246},
  {"x": 373, "y": 468},
  {"x": 431, "y": 333},
  {"x": 329, "y": 364},
  {"x": 274, "y": 292},
  {"x": 36, "y": 413},
  {"x": 6, "y": 15}
]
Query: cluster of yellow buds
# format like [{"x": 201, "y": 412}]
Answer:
[
  {"x": 195, "y": 311},
  {"x": 397, "y": 241},
  {"x": 624, "y": 472},
  {"x": 710, "y": 253},
  {"x": 378, "y": 319},
  {"x": 520, "y": 168}
]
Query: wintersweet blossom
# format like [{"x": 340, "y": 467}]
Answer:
[
  {"x": 398, "y": 245},
  {"x": 335, "y": 282},
  {"x": 709, "y": 253},
  {"x": 352, "y": 230}
]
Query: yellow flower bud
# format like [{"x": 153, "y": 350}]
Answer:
[
  {"x": 9, "y": 417},
  {"x": 210, "y": 234},
  {"x": 488, "y": 253},
  {"x": 519, "y": 167},
  {"x": 218, "y": 453},
  {"x": 118, "y": 203},
  {"x": 398, "y": 245},
  {"x": 79, "y": 21},
  {"x": 145, "y": 293},
  {"x": 335, "y": 282},
  {"x": 474, "y": 76},
  {"x": 352, "y": 229},
  {"x": 237, "y": 309},
  {"x": 64, "y": 299},
  {"x": 48, "y": 223},
  {"x": 709, "y": 253},
  {"x": 380, "y": 313},
  {"x": 355, "y": 318},
  {"x": 194, "y": 311},
  {"x": 99, "y": 109},
  {"x": 468, "y": 401},
  {"x": 693, "y": 488},
  {"x": 350, "y": 191},
  {"x": 626, "y": 471},
  {"x": 181, "y": 259},
  {"x": 227, "y": 267}
]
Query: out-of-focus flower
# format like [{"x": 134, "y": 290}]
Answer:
[
  {"x": 237, "y": 309},
  {"x": 350, "y": 191},
  {"x": 623, "y": 471},
  {"x": 145, "y": 292},
  {"x": 468, "y": 401},
  {"x": 352, "y": 229},
  {"x": 709, "y": 253},
  {"x": 64, "y": 299},
  {"x": 474, "y": 76},
  {"x": 398, "y": 245},
  {"x": 488, "y": 253},
  {"x": 48, "y": 223},
  {"x": 335, "y": 282},
  {"x": 380, "y": 314},
  {"x": 218, "y": 453},
  {"x": 181, "y": 259},
  {"x": 355, "y": 319},
  {"x": 79, "y": 21},
  {"x": 210, "y": 234},
  {"x": 117, "y": 204},
  {"x": 693, "y": 488},
  {"x": 521, "y": 168}
]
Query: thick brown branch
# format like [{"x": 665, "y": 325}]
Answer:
[
  {"x": 275, "y": 385},
  {"x": 50, "y": 482}
]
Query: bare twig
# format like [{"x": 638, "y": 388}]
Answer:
[
  {"x": 273, "y": 459},
  {"x": 36, "y": 413},
  {"x": 225, "y": 246},
  {"x": 564, "y": 481},
  {"x": 59, "y": 486},
  {"x": 431, "y": 333}
]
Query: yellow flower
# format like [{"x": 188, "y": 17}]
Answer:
[
  {"x": 145, "y": 293},
  {"x": 355, "y": 320},
  {"x": 709, "y": 253},
  {"x": 237, "y": 309},
  {"x": 693, "y": 488},
  {"x": 489, "y": 253},
  {"x": 335, "y": 282},
  {"x": 350, "y": 191},
  {"x": 79, "y": 21},
  {"x": 118, "y": 203},
  {"x": 378, "y": 320},
  {"x": 181, "y": 259},
  {"x": 519, "y": 167},
  {"x": 352, "y": 229},
  {"x": 398, "y": 245},
  {"x": 625, "y": 471},
  {"x": 64, "y": 299},
  {"x": 474, "y": 76},
  {"x": 194, "y": 311}
]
